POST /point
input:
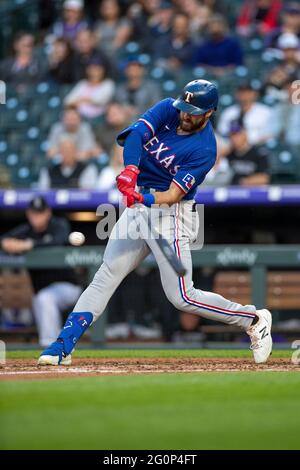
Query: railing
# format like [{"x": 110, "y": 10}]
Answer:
[
  {"x": 223, "y": 196},
  {"x": 256, "y": 258}
]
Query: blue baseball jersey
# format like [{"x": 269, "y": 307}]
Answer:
[{"x": 168, "y": 157}]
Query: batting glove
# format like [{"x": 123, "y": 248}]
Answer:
[
  {"x": 127, "y": 178},
  {"x": 131, "y": 197}
]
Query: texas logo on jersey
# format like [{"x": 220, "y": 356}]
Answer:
[{"x": 155, "y": 148}]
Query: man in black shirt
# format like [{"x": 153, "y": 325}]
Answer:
[
  {"x": 69, "y": 173},
  {"x": 249, "y": 164},
  {"x": 55, "y": 290}
]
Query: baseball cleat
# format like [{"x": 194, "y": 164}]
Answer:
[
  {"x": 54, "y": 356},
  {"x": 260, "y": 335}
]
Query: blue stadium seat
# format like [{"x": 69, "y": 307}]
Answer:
[
  {"x": 285, "y": 163},
  {"x": 12, "y": 159}
]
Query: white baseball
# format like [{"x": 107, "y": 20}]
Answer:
[{"x": 76, "y": 238}]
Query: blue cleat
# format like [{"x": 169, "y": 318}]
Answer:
[
  {"x": 59, "y": 352},
  {"x": 55, "y": 356}
]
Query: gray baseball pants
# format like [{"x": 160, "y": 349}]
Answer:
[{"x": 130, "y": 243}]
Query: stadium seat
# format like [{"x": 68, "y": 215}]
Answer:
[
  {"x": 12, "y": 159},
  {"x": 282, "y": 288},
  {"x": 285, "y": 162},
  {"x": 49, "y": 117}
]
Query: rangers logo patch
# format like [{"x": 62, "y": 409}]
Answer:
[
  {"x": 188, "y": 96},
  {"x": 189, "y": 180}
]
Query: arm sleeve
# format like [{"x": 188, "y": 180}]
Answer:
[
  {"x": 133, "y": 149},
  {"x": 193, "y": 173},
  {"x": 133, "y": 137}
]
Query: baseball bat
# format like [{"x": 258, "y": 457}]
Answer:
[{"x": 165, "y": 248}]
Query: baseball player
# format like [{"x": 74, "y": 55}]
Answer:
[{"x": 167, "y": 154}]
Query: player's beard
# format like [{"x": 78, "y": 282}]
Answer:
[{"x": 191, "y": 125}]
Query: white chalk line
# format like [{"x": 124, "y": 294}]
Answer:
[{"x": 67, "y": 370}]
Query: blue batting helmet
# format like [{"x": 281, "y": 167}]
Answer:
[{"x": 198, "y": 97}]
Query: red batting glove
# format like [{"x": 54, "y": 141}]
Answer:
[
  {"x": 127, "y": 178},
  {"x": 131, "y": 197}
]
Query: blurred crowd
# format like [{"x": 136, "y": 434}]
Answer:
[{"x": 116, "y": 58}]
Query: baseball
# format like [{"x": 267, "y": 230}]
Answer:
[{"x": 76, "y": 238}]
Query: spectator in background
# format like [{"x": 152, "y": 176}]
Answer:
[
  {"x": 62, "y": 67},
  {"x": 221, "y": 173},
  {"x": 72, "y": 21},
  {"x": 86, "y": 51},
  {"x": 91, "y": 96},
  {"x": 197, "y": 13},
  {"x": 178, "y": 49},
  {"x": 274, "y": 86},
  {"x": 81, "y": 133},
  {"x": 255, "y": 117},
  {"x": 107, "y": 178},
  {"x": 160, "y": 28},
  {"x": 290, "y": 23},
  {"x": 137, "y": 92},
  {"x": 221, "y": 51},
  {"x": 286, "y": 115},
  {"x": 47, "y": 12},
  {"x": 217, "y": 6},
  {"x": 112, "y": 30},
  {"x": 141, "y": 14},
  {"x": 290, "y": 47},
  {"x": 55, "y": 289},
  {"x": 70, "y": 172},
  {"x": 259, "y": 17},
  {"x": 116, "y": 118},
  {"x": 249, "y": 164},
  {"x": 25, "y": 68}
]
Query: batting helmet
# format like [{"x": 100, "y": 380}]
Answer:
[{"x": 198, "y": 97}]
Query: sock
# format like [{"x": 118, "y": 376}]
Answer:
[
  {"x": 77, "y": 323},
  {"x": 255, "y": 320}
]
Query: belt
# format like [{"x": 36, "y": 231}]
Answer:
[{"x": 144, "y": 190}]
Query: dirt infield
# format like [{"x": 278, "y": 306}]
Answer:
[{"x": 18, "y": 369}]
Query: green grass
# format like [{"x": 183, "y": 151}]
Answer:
[
  {"x": 153, "y": 353},
  {"x": 236, "y": 410}
]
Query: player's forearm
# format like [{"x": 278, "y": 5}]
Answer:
[
  {"x": 168, "y": 197},
  {"x": 133, "y": 149}
]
